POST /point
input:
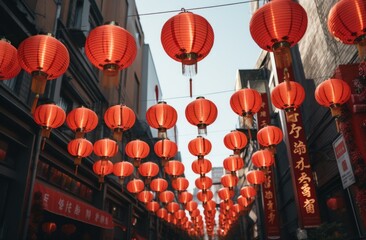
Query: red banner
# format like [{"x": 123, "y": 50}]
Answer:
[
  {"x": 268, "y": 190},
  {"x": 302, "y": 178},
  {"x": 62, "y": 204}
]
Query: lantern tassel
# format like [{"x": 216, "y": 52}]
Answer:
[
  {"x": 43, "y": 143},
  {"x": 34, "y": 104},
  {"x": 76, "y": 169},
  {"x": 190, "y": 87}
]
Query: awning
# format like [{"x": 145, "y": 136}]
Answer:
[{"x": 63, "y": 204}]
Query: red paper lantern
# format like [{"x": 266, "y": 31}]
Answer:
[
  {"x": 49, "y": 116},
  {"x": 79, "y": 148},
  {"x": 162, "y": 213},
  {"x": 244, "y": 202},
  {"x": 174, "y": 168},
  {"x": 152, "y": 206},
  {"x": 145, "y": 196},
  {"x": 179, "y": 214},
  {"x": 135, "y": 186},
  {"x": 162, "y": 117},
  {"x": 110, "y": 48},
  {"x": 210, "y": 206},
  {"x": 233, "y": 164},
  {"x": 105, "y": 148},
  {"x": 119, "y": 118},
  {"x": 122, "y": 169},
  {"x": 225, "y": 193},
  {"x": 269, "y": 136},
  {"x": 137, "y": 150},
  {"x": 187, "y": 38},
  {"x": 203, "y": 183},
  {"x": 288, "y": 96},
  {"x": 201, "y": 166},
  {"x": 185, "y": 197},
  {"x": 199, "y": 147},
  {"x": 9, "y": 66},
  {"x": 229, "y": 181},
  {"x": 166, "y": 197},
  {"x": 201, "y": 113},
  {"x": 263, "y": 158},
  {"x": 148, "y": 170},
  {"x": 236, "y": 141},
  {"x": 180, "y": 184},
  {"x": 172, "y": 207},
  {"x": 333, "y": 93},
  {"x": 277, "y": 26},
  {"x": 347, "y": 21},
  {"x": 49, "y": 227},
  {"x": 102, "y": 168},
  {"x": 227, "y": 204},
  {"x": 82, "y": 120},
  {"x": 255, "y": 177},
  {"x": 191, "y": 205},
  {"x": 237, "y": 208},
  {"x": 204, "y": 196},
  {"x": 248, "y": 192},
  {"x": 165, "y": 149},
  {"x": 245, "y": 103},
  {"x": 158, "y": 185},
  {"x": 45, "y": 58}
]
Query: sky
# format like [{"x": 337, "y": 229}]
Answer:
[{"x": 233, "y": 49}]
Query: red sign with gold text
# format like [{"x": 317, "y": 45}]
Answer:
[
  {"x": 304, "y": 186},
  {"x": 268, "y": 189},
  {"x": 62, "y": 204}
]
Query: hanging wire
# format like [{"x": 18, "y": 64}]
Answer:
[{"x": 190, "y": 9}]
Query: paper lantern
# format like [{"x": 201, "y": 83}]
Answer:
[
  {"x": 137, "y": 150},
  {"x": 204, "y": 196},
  {"x": 122, "y": 170},
  {"x": 110, "y": 48},
  {"x": 248, "y": 192},
  {"x": 45, "y": 58},
  {"x": 148, "y": 170},
  {"x": 145, "y": 196},
  {"x": 9, "y": 66},
  {"x": 244, "y": 202},
  {"x": 79, "y": 148},
  {"x": 195, "y": 213},
  {"x": 236, "y": 141},
  {"x": 174, "y": 168},
  {"x": 82, "y": 120},
  {"x": 135, "y": 186},
  {"x": 201, "y": 113},
  {"x": 165, "y": 149},
  {"x": 152, "y": 206},
  {"x": 201, "y": 166},
  {"x": 263, "y": 158},
  {"x": 102, "y": 168},
  {"x": 191, "y": 205},
  {"x": 233, "y": 164},
  {"x": 180, "y": 184},
  {"x": 119, "y": 118},
  {"x": 166, "y": 197},
  {"x": 105, "y": 148},
  {"x": 185, "y": 197},
  {"x": 187, "y": 38},
  {"x": 225, "y": 193},
  {"x": 162, "y": 213},
  {"x": 161, "y": 116},
  {"x": 246, "y": 102},
  {"x": 203, "y": 183},
  {"x": 199, "y": 147},
  {"x": 270, "y": 136},
  {"x": 255, "y": 177},
  {"x": 179, "y": 214},
  {"x": 210, "y": 206},
  {"x": 49, "y": 227},
  {"x": 277, "y": 26},
  {"x": 158, "y": 185},
  {"x": 229, "y": 181},
  {"x": 333, "y": 93},
  {"x": 347, "y": 23},
  {"x": 172, "y": 207},
  {"x": 49, "y": 116}
]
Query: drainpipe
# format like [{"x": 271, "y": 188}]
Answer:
[
  {"x": 57, "y": 17},
  {"x": 32, "y": 179}
]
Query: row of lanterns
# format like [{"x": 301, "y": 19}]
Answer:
[{"x": 111, "y": 48}]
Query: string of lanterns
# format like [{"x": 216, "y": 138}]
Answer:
[{"x": 187, "y": 38}]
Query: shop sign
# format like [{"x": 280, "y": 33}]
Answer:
[
  {"x": 62, "y": 204},
  {"x": 343, "y": 162}
]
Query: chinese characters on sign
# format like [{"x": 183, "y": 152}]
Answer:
[
  {"x": 343, "y": 162},
  {"x": 302, "y": 176},
  {"x": 268, "y": 189},
  {"x": 62, "y": 204}
]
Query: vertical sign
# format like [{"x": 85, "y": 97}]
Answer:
[
  {"x": 343, "y": 162},
  {"x": 304, "y": 186},
  {"x": 268, "y": 189}
]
